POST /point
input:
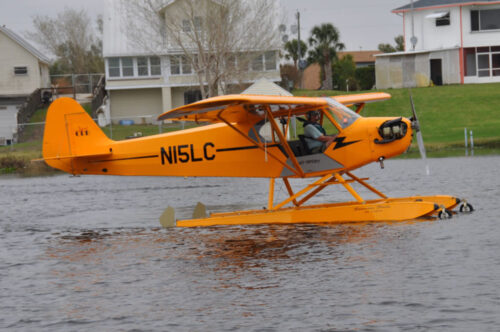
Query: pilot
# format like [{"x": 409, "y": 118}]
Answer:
[{"x": 316, "y": 138}]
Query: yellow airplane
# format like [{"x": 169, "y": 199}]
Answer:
[{"x": 249, "y": 136}]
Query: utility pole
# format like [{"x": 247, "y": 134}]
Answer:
[
  {"x": 413, "y": 39},
  {"x": 298, "y": 48}
]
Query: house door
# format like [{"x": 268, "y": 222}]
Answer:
[
  {"x": 191, "y": 96},
  {"x": 437, "y": 71}
]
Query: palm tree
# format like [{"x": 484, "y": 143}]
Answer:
[
  {"x": 325, "y": 40},
  {"x": 292, "y": 49}
]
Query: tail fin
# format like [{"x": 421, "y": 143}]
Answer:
[{"x": 71, "y": 133}]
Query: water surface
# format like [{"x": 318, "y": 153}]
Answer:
[{"x": 87, "y": 253}]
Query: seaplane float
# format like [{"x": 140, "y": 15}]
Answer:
[{"x": 249, "y": 136}]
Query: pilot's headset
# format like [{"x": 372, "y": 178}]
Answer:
[{"x": 310, "y": 114}]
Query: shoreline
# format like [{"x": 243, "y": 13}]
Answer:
[{"x": 24, "y": 163}]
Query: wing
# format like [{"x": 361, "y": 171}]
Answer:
[
  {"x": 361, "y": 99},
  {"x": 236, "y": 108}
]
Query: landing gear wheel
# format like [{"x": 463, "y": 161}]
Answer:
[
  {"x": 444, "y": 214},
  {"x": 466, "y": 207}
]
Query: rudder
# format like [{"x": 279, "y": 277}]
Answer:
[{"x": 71, "y": 133}]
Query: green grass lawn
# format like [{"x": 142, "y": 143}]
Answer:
[{"x": 443, "y": 111}]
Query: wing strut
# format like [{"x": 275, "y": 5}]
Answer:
[{"x": 283, "y": 141}]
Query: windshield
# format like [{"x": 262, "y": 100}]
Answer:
[{"x": 342, "y": 114}]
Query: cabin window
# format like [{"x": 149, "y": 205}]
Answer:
[
  {"x": 482, "y": 20},
  {"x": 21, "y": 70},
  {"x": 342, "y": 114}
]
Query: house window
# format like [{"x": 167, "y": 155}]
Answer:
[
  {"x": 134, "y": 67},
  {"x": 127, "y": 67},
  {"x": 483, "y": 65},
  {"x": 482, "y": 61},
  {"x": 444, "y": 20},
  {"x": 258, "y": 63},
  {"x": 186, "y": 26},
  {"x": 196, "y": 22},
  {"x": 482, "y": 20},
  {"x": 114, "y": 67},
  {"x": 142, "y": 66},
  {"x": 180, "y": 65},
  {"x": 186, "y": 65},
  {"x": 148, "y": 66},
  {"x": 470, "y": 62},
  {"x": 155, "y": 66},
  {"x": 231, "y": 61},
  {"x": 21, "y": 70},
  {"x": 495, "y": 64},
  {"x": 270, "y": 60},
  {"x": 175, "y": 65},
  {"x": 266, "y": 61}
]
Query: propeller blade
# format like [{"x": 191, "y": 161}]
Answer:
[
  {"x": 415, "y": 119},
  {"x": 421, "y": 148},
  {"x": 415, "y": 124}
]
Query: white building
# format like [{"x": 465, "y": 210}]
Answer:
[
  {"x": 143, "y": 83},
  {"x": 455, "y": 42},
  {"x": 23, "y": 69}
]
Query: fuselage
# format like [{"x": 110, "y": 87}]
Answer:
[{"x": 242, "y": 148}]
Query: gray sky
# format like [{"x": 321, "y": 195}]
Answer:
[{"x": 363, "y": 24}]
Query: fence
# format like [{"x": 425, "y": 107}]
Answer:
[
  {"x": 75, "y": 83},
  {"x": 31, "y": 132},
  {"x": 28, "y": 108},
  {"x": 99, "y": 93}
]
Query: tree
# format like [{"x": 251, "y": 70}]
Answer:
[
  {"x": 289, "y": 76},
  {"x": 292, "y": 50},
  {"x": 219, "y": 40},
  {"x": 400, "y": 43},
  {"x": 365, "y": 76},
  {"x": 325, "y": 40},
  {"x": 388, "y": 48},
  {"x": 70, "y": 37},
  {"x": 344, "y": 71}
]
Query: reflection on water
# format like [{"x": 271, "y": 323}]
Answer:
[{"x": 88, "y": 254}]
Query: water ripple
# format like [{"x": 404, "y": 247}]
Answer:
[{"x": 88, "y": 254}]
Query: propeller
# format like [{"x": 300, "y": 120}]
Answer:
[{"x": 415, "y": 125}]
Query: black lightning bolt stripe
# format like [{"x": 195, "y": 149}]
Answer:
[{"x": 339, "y": 142}]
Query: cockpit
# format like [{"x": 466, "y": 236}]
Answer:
[{"x": 333, "y": 118}]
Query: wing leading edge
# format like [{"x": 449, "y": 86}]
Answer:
[{"x": 238, "y": 107}]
